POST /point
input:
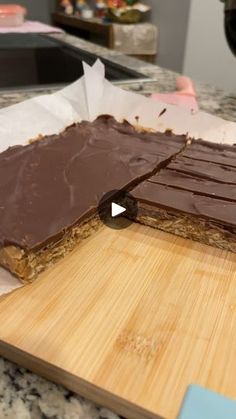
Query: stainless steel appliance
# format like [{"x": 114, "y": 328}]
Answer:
[{"x": 230, "y": 23}]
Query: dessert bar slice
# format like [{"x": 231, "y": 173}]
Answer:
[
  {"x": 50, "y": 189},
  {"x": 195, "y": 196}
]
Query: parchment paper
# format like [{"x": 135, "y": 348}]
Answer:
[{"x": 93, "y": 95}]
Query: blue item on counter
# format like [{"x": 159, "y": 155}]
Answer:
[{"x": 200, "y": 403}]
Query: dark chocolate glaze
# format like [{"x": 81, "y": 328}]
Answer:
[
  {"x": 183, "y": 201},
  {"x": 195, "y": 184},
  {"x": 54, "y": 183},
  {"x": 212, "y": 152},
  {"x": 205, "y": 170},
  {"x": 200, "y": 181}
]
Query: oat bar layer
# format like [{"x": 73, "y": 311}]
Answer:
[
  {"x": 50, "y": 189},
  {"x": 195, "y": 196}
]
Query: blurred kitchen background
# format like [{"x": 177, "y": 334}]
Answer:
[{"x": 191, "y": 37}]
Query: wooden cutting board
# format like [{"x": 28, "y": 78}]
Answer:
[{"x": 129, "y": 320}]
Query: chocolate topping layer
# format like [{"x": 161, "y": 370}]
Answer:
[
  {"x": 198, "y": 185},
  {"x": 54, "y": 183},
  {"x": 211, "y": 152},
  {"x": 205, "y": 170},
  {"x": 187, "y": 202},
  {"x": 201, "y": 181}
]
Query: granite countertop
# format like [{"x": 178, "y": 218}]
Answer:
[
  {"x": 24, "y": 395},
  {"x": 210, "y": 98}
]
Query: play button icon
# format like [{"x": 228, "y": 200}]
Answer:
[{"x": 117, "y": 209}]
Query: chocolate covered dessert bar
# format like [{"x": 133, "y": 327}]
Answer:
[
  {"x": 194, "y": 196},
  {"x": 50, "y": 189}
]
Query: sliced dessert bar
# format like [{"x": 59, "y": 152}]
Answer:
[
  {"x": 195, "y": 196},
  {"x": 50, "y": 189}
]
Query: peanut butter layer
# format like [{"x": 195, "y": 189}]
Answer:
[{"x": 26, "y": 265}]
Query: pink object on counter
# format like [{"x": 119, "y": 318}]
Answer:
[
  {"x": 31, "y": 27},
  {"x": 185, "y": 95},
  {"x": 11, "y": 15}
]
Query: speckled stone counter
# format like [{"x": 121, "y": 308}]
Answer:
[
  {"x": 210, "y": 98},
  {"x": 24, "y": 395}
]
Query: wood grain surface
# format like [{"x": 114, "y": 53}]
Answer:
[{"x": 129, "y": 320}]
